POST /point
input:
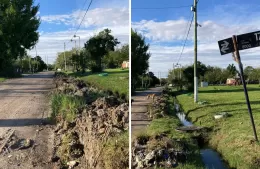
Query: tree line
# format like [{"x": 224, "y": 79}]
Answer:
[
  {"x": 183, "y": 77},
  {"x": 99, "y": 52},
  {"x": 18, "y": 32}
]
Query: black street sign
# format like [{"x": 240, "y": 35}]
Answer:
[
  {"x": 248, "y": 40},
  {"x": 226, "y": 46}
]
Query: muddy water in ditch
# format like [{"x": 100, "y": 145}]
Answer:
[{"x": 210, "y": 158}]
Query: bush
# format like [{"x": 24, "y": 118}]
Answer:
[{"x": 65, "y": 106}]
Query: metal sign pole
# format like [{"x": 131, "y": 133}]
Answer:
[{"x": 244, "y": 84}]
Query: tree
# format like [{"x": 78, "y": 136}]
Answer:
[
  {"x": 232, "y": 70},
  {"x": 99, "y": 46},
  {"x": 188, "y": 74},
  {"x": 18, "y": 29},
  {"x": 60, "y": 60},
  {"x": 114, "y": 59},
  {"x": 248, "y": 72},
  {"x": 255, "y": 75},
  {"x": 139, "y": 56},
  {"x": 41, "y": 64},
  {"x": 83, "y": 58},
  {"x": 213, "y": 75}
]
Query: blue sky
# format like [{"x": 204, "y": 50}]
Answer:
[
  {"x": 164, "y": 30},
  {"x": 60, "y": 18}
]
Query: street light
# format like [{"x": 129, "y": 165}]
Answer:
[
  {"x": 75, "y": 43},
  {"x": 79, "y": 39}
]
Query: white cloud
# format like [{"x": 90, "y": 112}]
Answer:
[
  {"x": 160, "y": 33},
  {"x": 94, "y": 17},
  {"x": 50, "y": 43},
  {"x": 174, "y": 30}
]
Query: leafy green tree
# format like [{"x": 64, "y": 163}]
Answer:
[
  {"x": 213, "y": 75},
  {"x": 248, "y": 73},
  {"x": 255, "y": 75},
  {"x": 60, "y": 61},
  {"x": 139, "y": 56},
  {"x": 18, "y": 29},
  {"x": 41, "y": 64},
  {"x": 114, "y": 59},
  {"x": 232, "y": 70},
  {"x": 188, "y": 73},
  {"x": 99, "y": 46}
]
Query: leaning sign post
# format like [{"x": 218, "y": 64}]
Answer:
[{"x": 233, "y": 45}]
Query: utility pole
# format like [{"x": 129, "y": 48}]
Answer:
[
  {"x": 160, "y": 78},
  {"x": 173, "y": 71},
  {"x": 194, "y": 9},
  {"x": 36, "y": 57},
  {"x": 30, "y": 64},
  {"x": 47, "y": 64},
  {"x": 65, "y": 57}
]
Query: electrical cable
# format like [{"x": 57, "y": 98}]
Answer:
[
  {"x": 173, "y": 7},
  {"x": 185, "y": 39}
]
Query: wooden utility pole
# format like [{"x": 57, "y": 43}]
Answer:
[
  {"x": 237, "y": 55},
  {"x": 65, "y": 56},
  {"x": 195, "y": 53}
]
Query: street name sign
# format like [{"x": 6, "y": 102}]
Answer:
[
  {"x": 248, "y": 40},
  {"x": 244, "y": 41},
  {"x": 226, "y": 46}
]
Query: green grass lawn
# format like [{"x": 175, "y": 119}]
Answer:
[
  {"x": 233, "y": 136},
  {"x": 117, "y": 80},
  {"x": 2, "y": 79}
]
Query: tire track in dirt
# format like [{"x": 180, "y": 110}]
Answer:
[{"x": 23, "y": 106}]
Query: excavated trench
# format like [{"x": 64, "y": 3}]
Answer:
[{"x": 210, "y": 158}]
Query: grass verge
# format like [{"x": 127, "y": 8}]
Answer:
[
  {"x": 232, "y": 136},
  {"x": 2, "y": 79},
  {"x": 117, "y": 81},
  {"x": 117, "y": 147},
  {"x": 65, "y": 106}
]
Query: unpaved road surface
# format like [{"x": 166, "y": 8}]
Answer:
[
  {"x": 24, "y": 108},
  {"x": 139, "y": 117}
]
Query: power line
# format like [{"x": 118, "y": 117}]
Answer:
[
  {"x": 84, "y": 17},
  {"x": 82, "y": 8},
  {"x": 172, "y": 7},
  {"x": 185, "y": 39}
]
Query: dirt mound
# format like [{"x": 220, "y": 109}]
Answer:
[
  {"x": 158, "y": 108},
  {"x": 83, "y": 141},
  {"x": 158, "y": 151}
]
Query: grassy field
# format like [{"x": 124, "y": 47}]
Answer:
[
  {"x": 117, "y": 81},
  {"x": 2, "y": 79},
  {"x": 233, "y": 136}
]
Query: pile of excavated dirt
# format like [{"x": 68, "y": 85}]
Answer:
[
  {"x": 158, "y": 108},
  {"x": 158, "y": 151},
  {"x": 82, "y": 143}
]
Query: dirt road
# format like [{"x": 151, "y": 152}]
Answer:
[
  {"x": 23, "y": 108},
  {"x": 139, "y": 108}
]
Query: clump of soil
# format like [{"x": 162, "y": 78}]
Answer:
[
  {"x": 83, "y": 141},
  {"x": 158, "y": 108},
  {"x": 159, "y": 151}
]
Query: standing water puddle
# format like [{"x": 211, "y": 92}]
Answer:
[{"x": 210, "y": 158}]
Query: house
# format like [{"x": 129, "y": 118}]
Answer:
[
  {"x": 125, "y": 64},
  {"x": 233, "y": 81}
]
